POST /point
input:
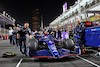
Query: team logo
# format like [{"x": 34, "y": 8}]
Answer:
[{"x": 50, "y": 42}]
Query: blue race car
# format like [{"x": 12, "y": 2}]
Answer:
[{"x": 46, "y": 46}]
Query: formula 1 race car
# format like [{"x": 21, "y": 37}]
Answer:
[{"x": 46, "y": 46}]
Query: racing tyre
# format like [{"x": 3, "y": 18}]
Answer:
[
  {"x": 68, "y": 44},
  {"x": 33, "y": 47}
]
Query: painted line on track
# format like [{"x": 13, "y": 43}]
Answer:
[
  {"x": 88, "y": 61},
  {"x": 19, "y": 63}
]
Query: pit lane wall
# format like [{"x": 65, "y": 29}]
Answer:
[
  {"x": 2, "y": 35},
  {"x": 92, "y": 36},
  {"x": 2, "y": 31}
]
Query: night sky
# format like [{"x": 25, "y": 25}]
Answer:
[{"x": 21, "y": 10}]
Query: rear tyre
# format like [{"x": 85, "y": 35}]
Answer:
[
  {"x": 59, "y": 46},
  {"x": 68, "y": 44},
  {"x": 33, "y": 45}
]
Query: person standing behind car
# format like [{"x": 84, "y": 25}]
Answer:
[
  {"x": 59, "y": 32},
  {"x": 50, "y": 30},
  {"x": 17, "y": 40},
  {"x": 28, "y": 32},
  {"x": 14, "y": 35},
  {"x": 10, "y": 35},
  {"x": 55, "y": 32},
  {"x": 45, "y": 30},
  {"x": 80, "y": 30}
]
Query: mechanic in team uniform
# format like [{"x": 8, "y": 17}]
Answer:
[
  {"x": 45, "y": 30},
  {"x": 71, "y": 34},
  {"x": 55, "y": 32},
  {"x": 14, "y": 35},
  {"x": 59, "y": 32},
  {"x": 79, "y": 30},
  {"x": 50, "y": 30},
  {"x": 17, "y": 40},
  {"x": 22, "y": 36}
]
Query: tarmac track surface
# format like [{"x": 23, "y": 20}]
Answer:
[{"x": 87, "y": 60}]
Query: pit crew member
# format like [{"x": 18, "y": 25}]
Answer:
[
  {"x": 79, "y": 30},
  {"x": 21, "y": 35}
]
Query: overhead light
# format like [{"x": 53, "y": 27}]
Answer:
[
  {"x": 76, "y": 2},
  {"x": 4, "y": 13}
]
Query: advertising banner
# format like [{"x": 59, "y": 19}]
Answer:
[
  {"x": 95, "y": 18},
  {"x": 65, "y": 7},
  {"x": 63, "y": 35}
]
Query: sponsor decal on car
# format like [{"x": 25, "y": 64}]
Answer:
[{"x": 54, "y": 49}]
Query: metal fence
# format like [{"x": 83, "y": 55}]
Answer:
[{"x": 2, "y": 31}]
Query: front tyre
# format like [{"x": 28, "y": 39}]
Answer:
[{"x": 33, "y": 47}]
